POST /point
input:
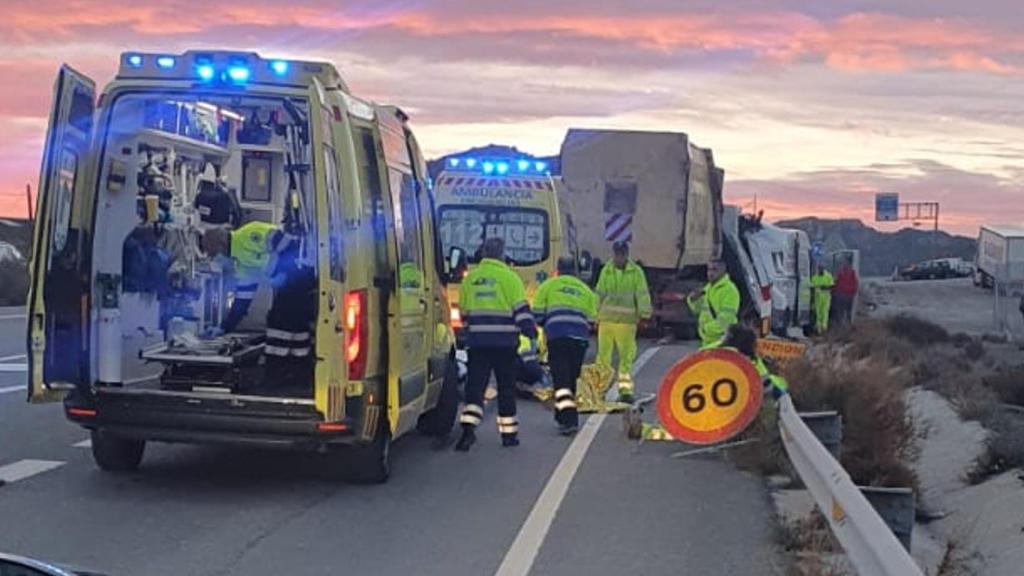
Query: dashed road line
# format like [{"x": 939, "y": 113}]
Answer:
[
  {"x": 22, "y": 367},
  {"x": 13, "y": 317},
  {"x": 12, "y": 389},
  {"x": 13, "y": 357},
  {"x": 87, "y": 443},
  {"x": 25, "y": 469},
  {"x": 521, "y": 555}
]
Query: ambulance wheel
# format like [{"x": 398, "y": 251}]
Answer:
[
  {"x": 114, "y": 453},
  {"x": 438, "y": 422},
  {"x": 368, "y": 463}
]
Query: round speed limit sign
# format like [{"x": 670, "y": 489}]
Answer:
[{"x": 709, "y": 397}]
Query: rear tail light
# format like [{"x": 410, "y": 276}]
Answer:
[
  {"x": 332, "y": 427},
  {"x": 82, "y": 412},
  {"x": 766, "y": 292},
  {"x": 355, "y": 333},
  {"x": 456, "y": 317}
]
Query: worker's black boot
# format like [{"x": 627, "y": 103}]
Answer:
[
  {"x": 509, "y": 440},
  {"x": 467, "y": 439}
]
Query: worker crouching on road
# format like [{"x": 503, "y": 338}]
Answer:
[
  {"x": 822, "y": 284},
  {"x": 744, "y": 340},
  {"x": 716, "y": 305},
  {"x": 624, "y": 300},
  {"x": 493, "y": 304},
  {"x": 566, "y": 308}
]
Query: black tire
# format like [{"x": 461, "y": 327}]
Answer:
[
  {"x": 367, "y": 463},
  {"x": 439, "y": 421},
  {"x": 114, "y": 453}
]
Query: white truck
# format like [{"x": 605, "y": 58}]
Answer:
[
  {"x": 998, "y": 247},
  {"x": 656, "y": 190}
]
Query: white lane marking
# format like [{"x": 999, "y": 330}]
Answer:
[
  {"x": 87, "y": 443},
  {"x": 23, "y": 367},
  {"x": 25, "y": 468},
  {"x": 12, "y": 389},
  {"x": 13, "y": 317},
  {"x": 14, "y": 357},
  {"x": 521, "y": 555}
]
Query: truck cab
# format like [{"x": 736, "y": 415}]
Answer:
[
  {"x": 511, "y": 198},
  {"x": 128, "y": 306}
]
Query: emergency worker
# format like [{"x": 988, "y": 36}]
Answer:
[
  {"x": 822, "y": 283},
  {"x": 624, "y": 300},
  {"x": 566, "y": 308},
  {"x": 716, "y": 305},
  {"x": 289, "y": 344},
  {"x": 493, "y": 304},
  {"x": 249, "y": 249}
]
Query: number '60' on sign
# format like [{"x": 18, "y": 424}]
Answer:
[{"x": 709, "y": 397}]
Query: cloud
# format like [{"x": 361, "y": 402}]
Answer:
[{"x": 967, "y": 199}]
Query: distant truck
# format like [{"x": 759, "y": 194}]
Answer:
[
  {"x": 998, "y": 246},
  {"x": 656, "y": 190}
]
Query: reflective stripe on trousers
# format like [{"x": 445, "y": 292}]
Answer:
[{"x": 282, "y": 343}]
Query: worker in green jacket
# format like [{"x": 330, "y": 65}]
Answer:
[
  {"x": 716, "y": 305},
  {"x": 566, "y": 308},
  {"x": 624, "y": 300},
  {"x": 493, "y": 304},
  {"x": 250, "y": 249},
  {"x": 822, "y": 283}
]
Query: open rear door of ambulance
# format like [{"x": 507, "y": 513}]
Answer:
[{"x": 58, "y": 305}]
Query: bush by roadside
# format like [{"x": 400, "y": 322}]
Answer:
[{"x": 13, "y": 283}]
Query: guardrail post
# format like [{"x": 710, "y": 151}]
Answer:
[
  {"x": 896, "y": 507},
  {"x": 827, "y": 428}
]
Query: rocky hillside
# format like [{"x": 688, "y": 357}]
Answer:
[{"x": 881, "y": 252}]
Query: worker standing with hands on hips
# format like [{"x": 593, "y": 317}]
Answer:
[
  {"x": 624, "y": 300},
  {"x": 566, "y": 308},
  {"x": 716, "y": 305},
  {"x": 822, "y": 283},
  {"x": 493, "y": 304}
]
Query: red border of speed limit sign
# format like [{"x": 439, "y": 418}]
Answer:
[{"x": 741, "y": 421}]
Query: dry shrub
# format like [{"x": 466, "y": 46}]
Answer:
[
  {"x": 961, "y": 339},
  {"x": 974, "y": 350},
  {"x": 877, "y": 432},
  {"x": 1008, "y": 385},
  {"x": 767, "y": 456},
  {"x": 13, "y": 283},
  {"x": 1005, "y": 449},
  {"x": 916, "y": 330}
]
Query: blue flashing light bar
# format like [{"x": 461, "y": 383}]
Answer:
[
  {"x": 279, "y": 67},
  {"x": 498, "y": 166},
  {"x": 134, "y": 60},
  {"x": 239, "y": 74},
  {"x": 205, "y": 72},
  {"x": 165, "y": 62}
]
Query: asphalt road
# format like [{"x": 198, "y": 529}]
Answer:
[{"x": 596, "y": 504}]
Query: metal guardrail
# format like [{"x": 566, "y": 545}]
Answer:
[{"x": 869, "y": 543}]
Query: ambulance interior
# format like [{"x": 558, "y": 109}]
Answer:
[{"x": 175, "y": 166}]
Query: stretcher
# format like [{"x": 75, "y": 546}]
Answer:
[{"x": 228, "y": 363}]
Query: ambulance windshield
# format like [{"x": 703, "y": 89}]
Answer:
[{"x": 524, "y": 230}]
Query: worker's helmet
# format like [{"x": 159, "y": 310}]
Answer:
[{"x": 620, "y": 247}]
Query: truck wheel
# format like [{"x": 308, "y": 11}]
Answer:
[
  {"x": 369, "y": 463},
  {"x": 438, "y": 422},
  {"x": 114, "y": 453}
]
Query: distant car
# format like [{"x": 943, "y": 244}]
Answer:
[
  {"x": 11, "y": 565},
  {"x": 930, "y": 270}
]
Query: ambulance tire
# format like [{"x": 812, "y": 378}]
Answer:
[
  {"x": 368, "y": 463},
  {"x": 114, "y": 453},
  {"x": 438, "y": 422}
]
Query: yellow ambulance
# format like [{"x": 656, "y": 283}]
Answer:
[
  {"x": 127, "y": 306},
  {"x": 498, "y": 197}
]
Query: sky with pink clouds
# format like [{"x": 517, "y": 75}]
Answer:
[{"x": 811, "y": 105}]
